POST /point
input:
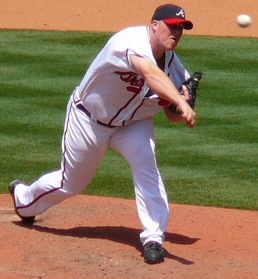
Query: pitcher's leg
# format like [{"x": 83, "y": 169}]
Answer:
[
  {"x": 39, "y": 196},
  {"x": 84, "y": 144},
  {"x": 137, "y": 144}
]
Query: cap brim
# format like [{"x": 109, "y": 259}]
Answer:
[{"x": 188, "y": 25}]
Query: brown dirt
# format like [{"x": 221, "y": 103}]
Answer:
[
  {"x": 210, "y": 17},
  {"x": 93, "y": 237}
]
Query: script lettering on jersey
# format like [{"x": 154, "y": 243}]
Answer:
[{"x": 136, "y": 84}]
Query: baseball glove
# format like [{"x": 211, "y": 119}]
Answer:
[{"x": 191, "y": 85}]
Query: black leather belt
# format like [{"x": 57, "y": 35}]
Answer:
[{"x": 83, "y": 109}]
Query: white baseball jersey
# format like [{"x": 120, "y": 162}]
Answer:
[{"x": 111, "y": 90}]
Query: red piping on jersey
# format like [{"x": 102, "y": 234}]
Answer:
[
  {"x": 171, "y": 59},
  {"x": 169, "y": 63},
  {"x": 137, "y": 109},
  {"x": 115, "y": 116}
]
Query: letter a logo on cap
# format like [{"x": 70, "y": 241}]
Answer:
[{"x": 181, "y": 13}]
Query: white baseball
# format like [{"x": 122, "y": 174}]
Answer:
[{"x": 244, "y": 20}]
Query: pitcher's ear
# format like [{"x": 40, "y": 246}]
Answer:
[{"x": 154, "y": 25}]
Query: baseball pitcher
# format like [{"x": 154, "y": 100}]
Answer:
[{"x": 135, "y": 75}]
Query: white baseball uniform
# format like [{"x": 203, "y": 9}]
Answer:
[{"x": 112, "y": 107}]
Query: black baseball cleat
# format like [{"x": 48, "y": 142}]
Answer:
[
  {"x": 27, "y": 220},
  {"x": 153, "y": 252}
]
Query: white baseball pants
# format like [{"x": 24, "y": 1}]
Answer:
[{"x": 83, "y": 145}]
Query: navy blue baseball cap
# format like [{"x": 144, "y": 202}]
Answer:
[{"x": 172, "y": 14}]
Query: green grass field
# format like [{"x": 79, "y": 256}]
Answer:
[{"x": 214, "y": 164}]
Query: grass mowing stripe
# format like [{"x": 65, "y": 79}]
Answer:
[{"x": 214, "y": 164}]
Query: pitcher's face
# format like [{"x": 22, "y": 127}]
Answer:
[{"x": 167, "y": 36}]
